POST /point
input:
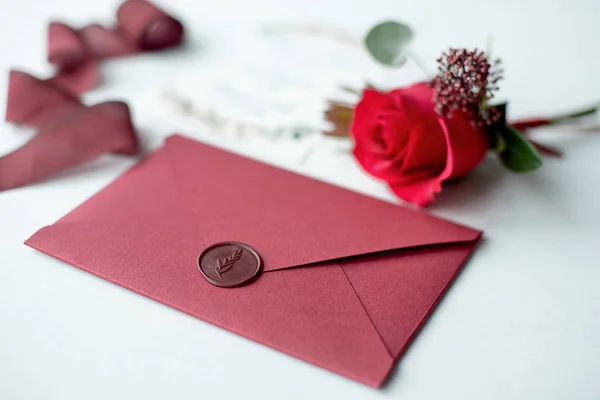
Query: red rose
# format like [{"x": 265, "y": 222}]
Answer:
[{"x": 401, "y": 139}]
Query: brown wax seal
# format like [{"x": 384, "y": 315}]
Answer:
[{"x": 229, "y": 264}]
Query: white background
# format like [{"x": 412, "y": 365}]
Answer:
[{"x": 522, "y": 320}]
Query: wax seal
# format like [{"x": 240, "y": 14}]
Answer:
[{"x": 229, "y": 264}]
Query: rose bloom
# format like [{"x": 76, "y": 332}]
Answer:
[{"x": 400, "y": 139}]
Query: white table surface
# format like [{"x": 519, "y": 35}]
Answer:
[{"x": 521, "y": 322}]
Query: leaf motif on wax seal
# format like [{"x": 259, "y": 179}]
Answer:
[{"x": 224, "y": 265}]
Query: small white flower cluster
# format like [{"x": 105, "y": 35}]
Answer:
[{"x": 231, "y": 127}]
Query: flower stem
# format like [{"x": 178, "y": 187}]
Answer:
[
  {"x": 545, "y": 149},
  {"x": 535, "y": 122},
  {"x": 577, "y": 114}
]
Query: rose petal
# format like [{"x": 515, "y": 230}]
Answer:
[
  {"x": 365, "y": 112},
  {"x": 367, "y": 122},
  {"x": 73, "y": 140},
  {"x": 470, "y": 144},
  {"x": 395, "y": 132},
  {"x": 426, "y": 148},
  {"x": 423, "y": 192}
]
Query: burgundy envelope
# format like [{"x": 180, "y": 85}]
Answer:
[{"x": 347, "y": 280}]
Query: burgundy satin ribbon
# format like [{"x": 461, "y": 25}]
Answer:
[
  {"x": 71, "y": 140},
  {"x": 140, "y": 27},
  {"x": 70, "y": 133}
]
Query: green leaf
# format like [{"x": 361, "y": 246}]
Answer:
[
  {"x": 387, "y": 42},
  {"x": 519, "y": 155}
]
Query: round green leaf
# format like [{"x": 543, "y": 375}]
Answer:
[
  {"x": 387, "y": 42},
  {"x": 518, "y": 154}
]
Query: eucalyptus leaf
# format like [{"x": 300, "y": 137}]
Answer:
[
  {"x": 387, "y": 42},
  {"x": 519, "y": 155}
]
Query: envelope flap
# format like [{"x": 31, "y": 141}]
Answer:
[{"x": 292, "y": 220}]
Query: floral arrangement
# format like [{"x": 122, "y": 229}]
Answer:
[
  {"x": 414, "y": 138},
  {"x": 418, "y": 137}
]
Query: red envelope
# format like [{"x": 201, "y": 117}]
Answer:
[{"x": 347, "y": 280}]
